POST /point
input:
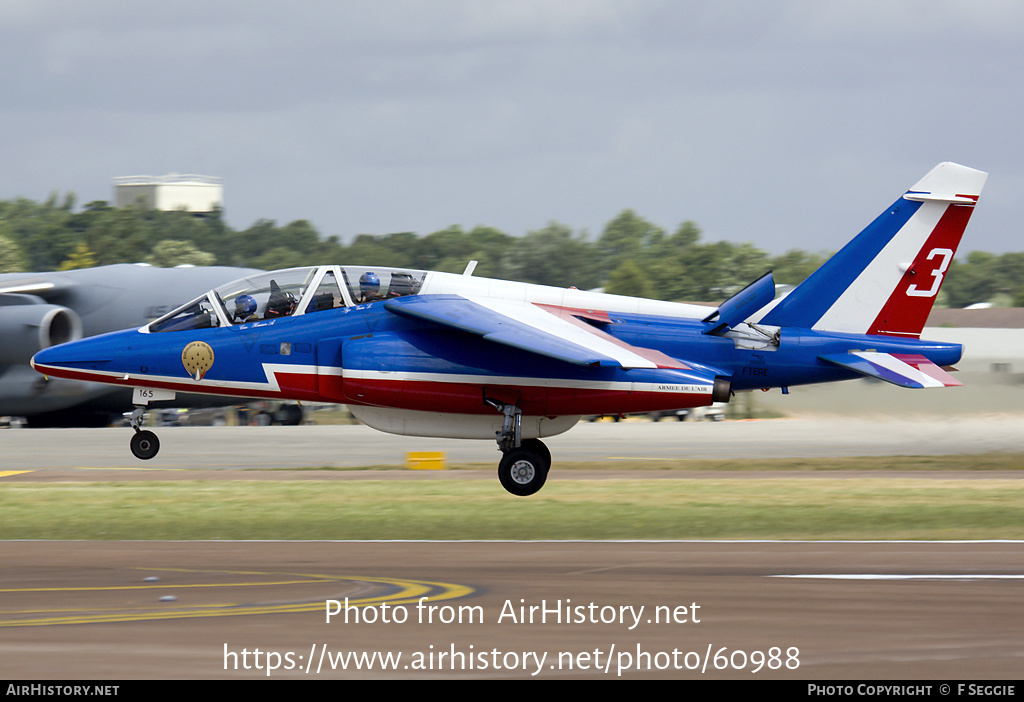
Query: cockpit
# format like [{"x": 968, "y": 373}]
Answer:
[{"x": 288, "y": 293}]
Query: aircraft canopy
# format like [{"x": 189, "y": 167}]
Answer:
[{"x": 290, "y": 292}]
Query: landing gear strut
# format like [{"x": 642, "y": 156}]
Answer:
[
  {"x": 144, "y": 443},
  {"x": 525, "y": 463}
]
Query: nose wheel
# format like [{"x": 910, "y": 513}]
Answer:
[{"x": 144, "y": 443}]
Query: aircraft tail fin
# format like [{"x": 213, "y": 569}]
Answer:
[{"x": 886, "y": 280}]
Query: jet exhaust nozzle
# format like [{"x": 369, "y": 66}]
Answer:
[{"x": 722, "y": 390}]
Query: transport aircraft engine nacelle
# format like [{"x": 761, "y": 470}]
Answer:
[{"x": 29, "y": 328}]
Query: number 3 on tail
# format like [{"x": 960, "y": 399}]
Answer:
[{"x": 947, "y": 258}]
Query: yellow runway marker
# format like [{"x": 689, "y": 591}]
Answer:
[
  {"x": 424, "y": 460},
  {"x": 9, "y": 473}
]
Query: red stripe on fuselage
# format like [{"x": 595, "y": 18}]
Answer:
[
  {"x": 467, "y": 398},
  {"x": 294, "y": 386},
  {"x": 428, "y": 396}
]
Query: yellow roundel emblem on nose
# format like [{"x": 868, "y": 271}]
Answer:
[{"x": 197, "y": 359}]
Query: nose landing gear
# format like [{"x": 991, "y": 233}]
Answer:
[{"x": 144, "y": 443}]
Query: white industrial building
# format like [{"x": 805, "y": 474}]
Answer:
[{"x": 188, "y": 192}]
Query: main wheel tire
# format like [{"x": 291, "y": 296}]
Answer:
[
  {"x": 145, "y": 445},
  {"x": 540, "y": 448},
  {"x": 522, "y": 471}
]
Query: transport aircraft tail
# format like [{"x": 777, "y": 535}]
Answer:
[{"x": 886, "y": 280}]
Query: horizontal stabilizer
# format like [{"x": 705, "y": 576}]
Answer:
[
  {"x": 905, "y": 370},
  {"x": 742, "y": 305}
]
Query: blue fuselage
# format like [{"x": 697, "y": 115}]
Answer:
[{"x": 366, "y": 355}]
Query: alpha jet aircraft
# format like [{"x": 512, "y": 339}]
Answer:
[{"x": 447, "y": 355}]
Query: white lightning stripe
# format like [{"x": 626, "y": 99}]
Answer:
[
  {"x": 571, "y": 383},
  {"x": 145, "y": 380},
  {"x": 272, "y": 385}
]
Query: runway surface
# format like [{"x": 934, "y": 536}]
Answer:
[
  {"x": 710, "y": 610},
  {"x": 346, "y": 446},
  {"x": 85, "y": 610}
]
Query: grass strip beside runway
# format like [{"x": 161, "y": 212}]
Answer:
[{"x": 818, "y": 507}]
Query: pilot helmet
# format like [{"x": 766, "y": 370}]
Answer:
[
  {"x": 401, "y": 284},
  {"x": 281, "y": 303},
  {"x": 281, "y": 306},
  {"x": 245, "y": 306},
  {"x": 369, "y": 282}
]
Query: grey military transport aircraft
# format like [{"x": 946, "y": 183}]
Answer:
[{"x": 38, "y": 310}]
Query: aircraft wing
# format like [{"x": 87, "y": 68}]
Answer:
[
  {"x": 548, "y": 330},
  {"x": 905, "y": 370},
  {"x": 12, "y": 287}
]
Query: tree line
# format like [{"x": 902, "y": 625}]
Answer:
[{"x": 631, "y": 256}]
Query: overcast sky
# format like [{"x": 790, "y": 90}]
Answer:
[{"x": 785, "y": 124}]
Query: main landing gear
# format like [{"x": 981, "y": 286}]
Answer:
[
  {"x": 144, "y": 443},
  {"x": 525, "y": 463},
  {"x": 523, "y": 470}
]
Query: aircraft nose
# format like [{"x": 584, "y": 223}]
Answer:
[
  {"x": 46, "y": 357},
  {"x": 84, "y": 354}
]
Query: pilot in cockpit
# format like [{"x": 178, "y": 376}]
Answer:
[
  {"x": 245, "y": 309},
  {"x": 369, "y": 287},
  {"x": 281, "y": 303}
]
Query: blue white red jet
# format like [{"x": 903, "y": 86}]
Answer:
[{"x": 447, "y": 355}]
